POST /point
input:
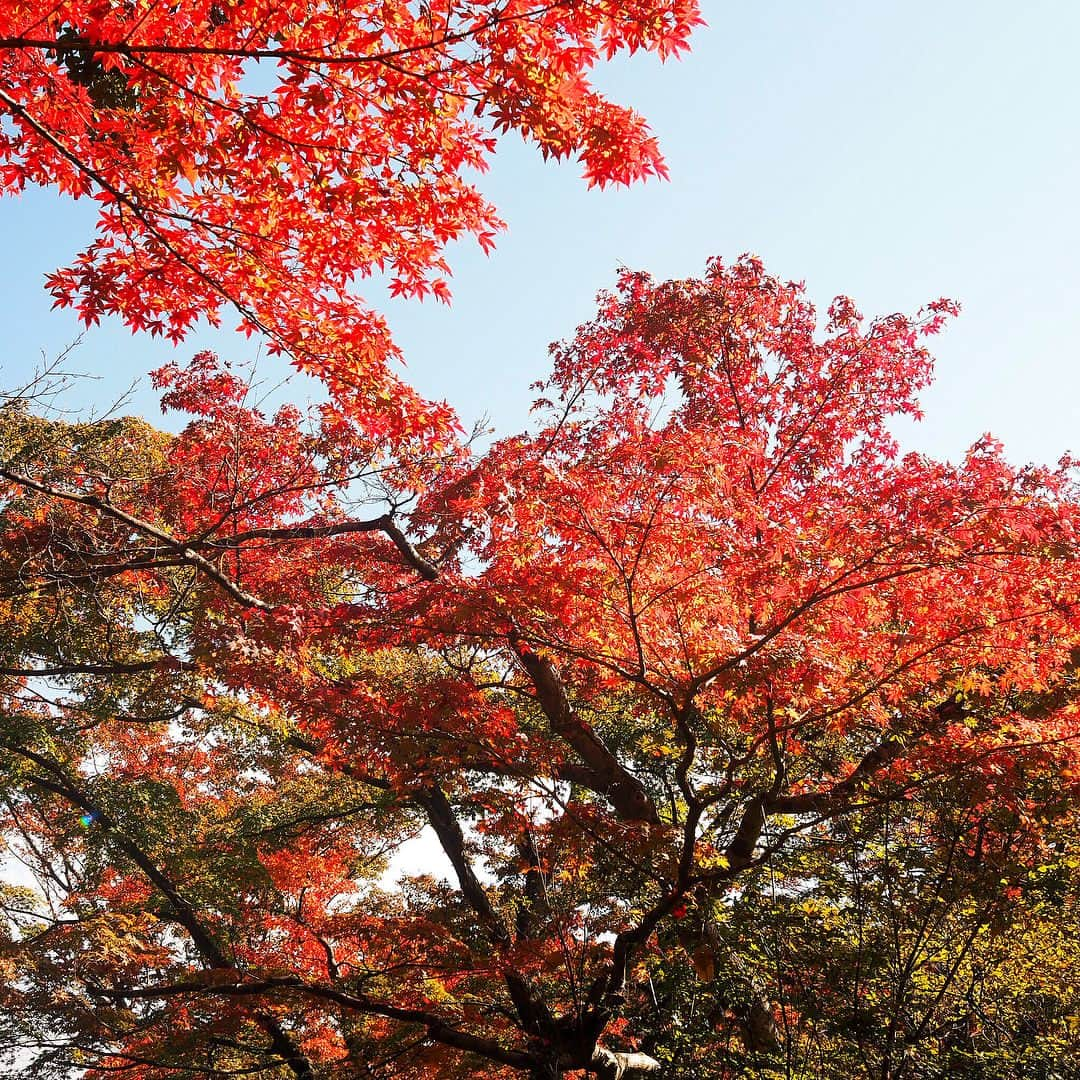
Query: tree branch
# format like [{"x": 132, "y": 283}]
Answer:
[
  {"x": 622, "y": 789},
  {"x": 438, "y": 1028},
  {"x": 102, "y": 506}
]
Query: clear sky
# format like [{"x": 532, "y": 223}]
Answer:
[{"x": 891, "y": 151}]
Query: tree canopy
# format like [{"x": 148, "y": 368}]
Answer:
[{"x": 749, "y": 743}]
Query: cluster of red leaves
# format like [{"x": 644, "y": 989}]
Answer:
[
  {"x": 263, "y": 156},
  {"x": 716, "y": 507}
]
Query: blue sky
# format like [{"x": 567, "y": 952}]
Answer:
[{"x": 894, "y": 152}]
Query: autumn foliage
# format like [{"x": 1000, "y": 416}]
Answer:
[
  {"x": 747, "y": 743},
  {"x": 693, "y": 732},
  {"x": 253, "y": 160}
]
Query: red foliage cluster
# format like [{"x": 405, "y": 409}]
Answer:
[{"x": 264, "y": 156}]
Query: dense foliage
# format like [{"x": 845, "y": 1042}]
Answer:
[
  {"x": 748, "y": 744},
  {"x": 262, "y": 156}
]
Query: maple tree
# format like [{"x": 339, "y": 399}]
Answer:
[
  {"x": 696, "y": 665},
  {"x": 262, "y": 156}
]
